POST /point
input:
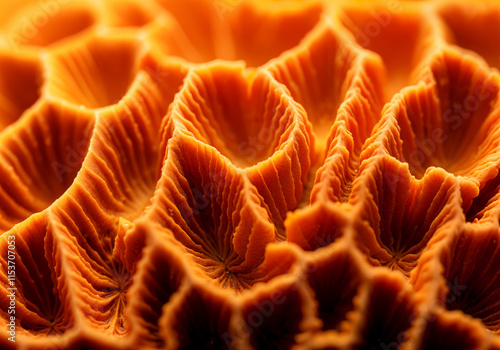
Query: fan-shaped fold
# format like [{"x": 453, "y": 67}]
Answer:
[
  {"x": 214, "y": 211},
  {"x": 114, "y": 186},
  {"x": 40, "y": 158},
  {"x": 325, "y": 71},
  {"x": 452, "y": 121},
  {"x": 251, "y": 119},
  {"x": 401, "y": 214},
  {"x": 340, "y": 87},
  {"x": 159, "y": 275},
  {"x": 473, "y": 284},
  {"x": 38, "y": 283},
  {"x": 94, "y": 72}
]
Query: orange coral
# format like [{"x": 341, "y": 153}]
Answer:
[{"x": 226, "y": 174}]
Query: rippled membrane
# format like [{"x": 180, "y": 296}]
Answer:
[
  {"x": 40, "y": 162},
  {"x": 249, "y": 175},
  {"x": 214, "y": 211},
  {"x": 120, "y": 157},
  {"x": 118, "y": 178},
  {"x": 449, "y": 125},
  {"x": 401, "y": 214},
  {"x": 31, "y": 185},
  {"x": 458, "y": 303}
]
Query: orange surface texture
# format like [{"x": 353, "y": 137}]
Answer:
[{"x": 248, "y": 174}]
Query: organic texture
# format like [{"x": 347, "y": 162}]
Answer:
[{"x": 228, "y": 174}]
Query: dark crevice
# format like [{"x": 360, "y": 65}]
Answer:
[{"x": 479, "y": 204}]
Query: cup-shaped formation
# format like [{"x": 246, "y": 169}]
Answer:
[
  {"x": 198, "y": 318},
  {"x": 473, "y": 286},
  {"x": 43, "y": 23},
  {"x": 171, "y": 307},
  {"x": 468, "y": 103},
  {"x": 34, "y": 291},
  {"x": 252, "y": 120},
  {"x": 323, "y": 72},
  {"x": 326, "y": 271},
  {"x": 215, "y": 212},
  {"x": 474, "y": 29},
  {"x": 318, "y": 225},
  {"x": 449, "y": 331},
  {"x": 202, "y": 31},
  {"x": 114, "y": 185},
  {"x": 378, "y": 310},
  {"x": 245, "y": 115},
  {"x": 385, "y": 312},
  {"x": 278, "y": 315},
  {"x": 399, "y": 213},
  {"x": 94, "y": 72},
  {"x": 40, "y": 158},
  {"x": 319, "y": 73},
  {"x": 20, "y": 83},
  {"x": 459, "y": 299},
  {"x": 448, "y": 120},
  {"x": 99, "y": 280}
]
